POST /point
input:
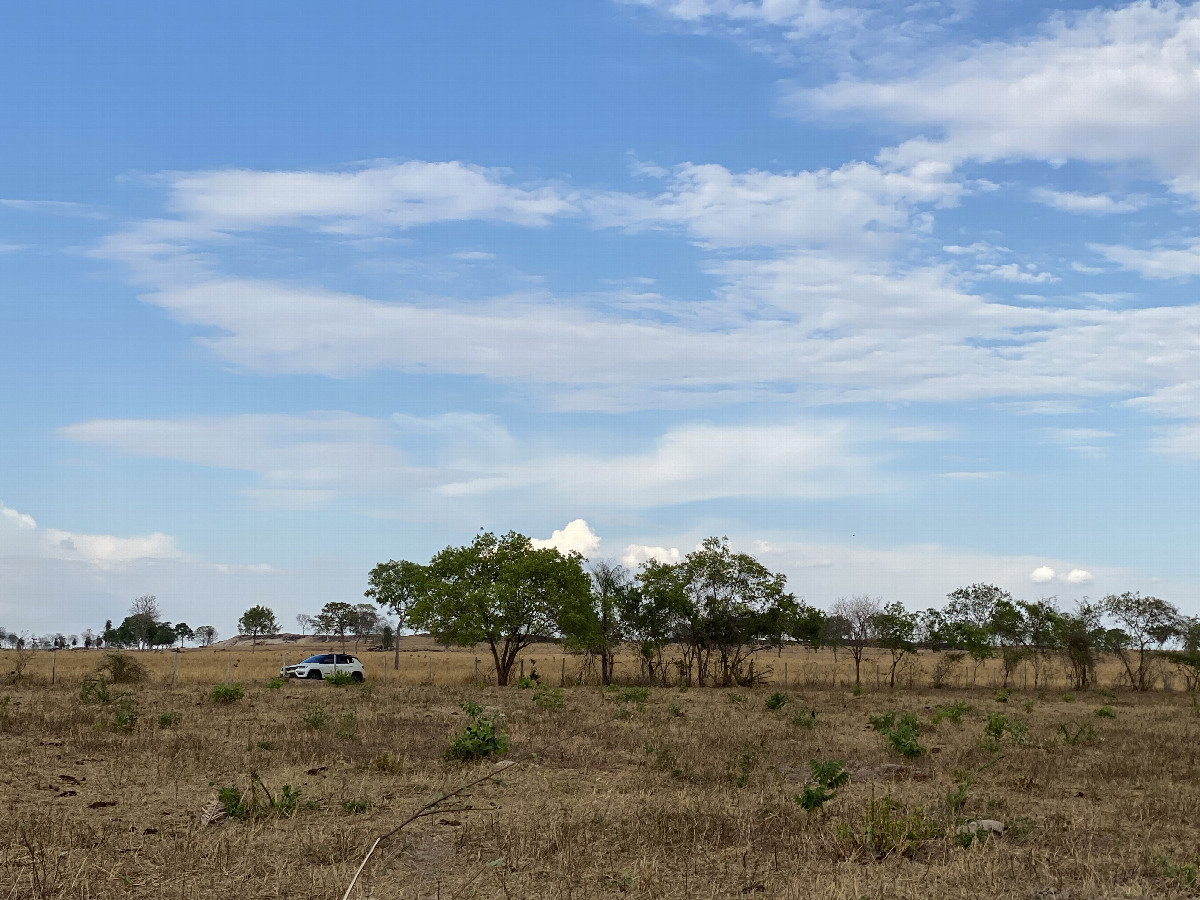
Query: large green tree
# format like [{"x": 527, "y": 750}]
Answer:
[
  {"x": 337, "y": 617},
  {"x": 600, "y": 627},
  {"x": 499, "y": 591},
  {"x": 256, "y": 621},
  {"x": 1145, "y": 625},
  {"x": 726, "y": 606}
]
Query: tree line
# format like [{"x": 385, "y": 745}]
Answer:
[{"x": 703, "y": 619}]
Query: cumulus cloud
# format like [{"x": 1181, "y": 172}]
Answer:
[
  {"x": 575, "y": 537},
  {"x": 1078, "y": 576},
  {"x": 1155, "y": 262},
  {"x": 637, "y": 554},
  {"x": 1041, "y": 575},
  {"x": 20, "y": 536}
]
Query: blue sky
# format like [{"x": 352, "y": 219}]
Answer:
[{"x": 896, "y": 298}]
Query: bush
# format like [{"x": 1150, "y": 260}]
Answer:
[
  {"x": 480, "y": 738},
  {"x": 169, "y": 719},
  {"x": 340, "y": 679},
  {"x": 886, "y": 827},
  {"x": 778, "y": 700},
  {"x": 633, "y": 695},
  {"x": 1002, "y": 695},
  {"x": 125, "y": 717},
  {"x": 123, "y": 669},
  {"x": 226, "y": 693},
  {"x": 276, "y": 683},
  {"x": 998, "y": 725},
  {"x": 346, "y": 726},
  {"x": 548, "y": 697},
  {"x": 954, "y": 712},
  {"x": 1106, "y": 712},
  {"x": 735, "y": 697},
  {"x": 314, "y": 718},
  {"x": 827, "y": 777},
  {"x": 94, "y": 690},
  {"x": 901, "y": 732},
  {"x": 805, "y": 719}
]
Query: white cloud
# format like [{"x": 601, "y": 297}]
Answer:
[
  {"x": 1078, "y": 576},
  {"x": 638, "y": 554},
  {"x": 575, "y": 537},
  {"x": 1157, "y": 262},
  {"x": 20, "y": 520},
  {"x": 386, "y": 195},
  {"x": 855, "y": 205},
  {"x": 1097, "y": 204},
  {"x": 1041, "y": 575},
  {"x": 1102, "y": 86},
  {"x": 1015, "y": 273},
  {"x": 1087, "y": 442}
]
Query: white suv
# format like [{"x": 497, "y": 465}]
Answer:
[{"x": 325, "y": 664}]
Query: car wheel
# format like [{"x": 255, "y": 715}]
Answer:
[
  {"x": 357, "y": 676},
  {"x": 314, "y": 673}
]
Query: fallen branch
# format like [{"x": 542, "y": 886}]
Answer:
[{"x": 433, "y": 807}]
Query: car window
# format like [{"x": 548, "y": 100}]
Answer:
[
  {"x": 342, "y": 660},
  {"x": 315, "y": 659}
]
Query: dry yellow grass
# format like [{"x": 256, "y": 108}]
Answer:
[{"x": 687, "y": 794}]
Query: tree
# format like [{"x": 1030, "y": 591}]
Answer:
[
  {"x": 337, "y": 618},
  {"x": 858, "y": 613},
  {"x": 1147, "y": 623},
  {"x": 366, "y": 620},
  {"x": 599, "y": 628},
  {"x": 304, "y": 621},
  {"x": 206, "y": 634},
  {"x": 396, "y": 585},
  {"x": 143, "y": 619},
  {"x": 968, "y": 614},
  {"x": 1008, "y": 628},
  {"x": 255, "y": 621},
  {"x": 1079, "y": 634},
  {"x": 726, "y": 606},
  {"x": 183, "y": 633},
  {"x": 499, "y": 591},
  {"x": 896, "y": 630}
]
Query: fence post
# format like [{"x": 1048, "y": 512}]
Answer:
[
  {"x": 562, "y": 678},
  {"x": 785, "y": 678},
  {"x": 476, "y": 674},
  {"x": 522, "y": 668},
  {"x": 174, "y": 668},
  {"x": 228, "y": 667},
  {"x": 53, "y": 665},
  {"x": 430, "y": 659}
]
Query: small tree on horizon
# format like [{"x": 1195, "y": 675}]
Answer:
[
  {"x": 337, "y": 617},
  {"x": 255, "y": 621}
]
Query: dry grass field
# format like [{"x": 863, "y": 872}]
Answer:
[{"x": 668, "y": 793}]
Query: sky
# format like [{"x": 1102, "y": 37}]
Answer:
[{"x": 898, "y": 298}]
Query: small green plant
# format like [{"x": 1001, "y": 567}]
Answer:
[
  {"x": 858, "y": 690},
  {"x": 227, "y": 693},
  {"x": 314, "y": 718},
  {"x": 1002, "y": 695},
  {"x": 355, "y": 806},
  {"x": 886, "y": 827},
  {"x": 744, "y": 766},
  {"x": 239, "y": 804},
  {"x": 387, "y": 763},
  {"x": 1028, "y": 705},
  {"x": 1068, "y": 698},
  {"x": 735, "y": 697},
  {"x": 276, "y": 683},
  {"x": 778, "y": 700},
  {"x": 675, "y": 711},
  {"x": 952, "y": 711},
  {"x": 998, "y": 725},
  {"x": 169, "y": 719},
  {"x": 1105, "y": 712},
  {"x": 94, "y": 690},
  {"x": 526, "y": 683},
  {"x": 633, "y": 695},
  {"x": 286, "y": 803},
  {"x": 234, "y": 802},
  {"x": 125, "y": 716},
  {"x": 957, "y": 798},
  {"x": 347, "y": 725},
  {"x": 901, "y": 731},
  {"x": 827, "y": 777},
  {"x": 1075, "y": 736},
  {"x": 805, "y": 719},
  {"x": 547, "y": 697},
  {"x": 480, "y": 738},
  {"x": 1186, "y": 874},
  {"x": 340, "y": 679}
]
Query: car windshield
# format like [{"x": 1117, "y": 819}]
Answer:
[{"x": 317, "y": 659}]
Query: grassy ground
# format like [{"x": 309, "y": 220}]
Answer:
[{"x": 680, "y": 794}]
